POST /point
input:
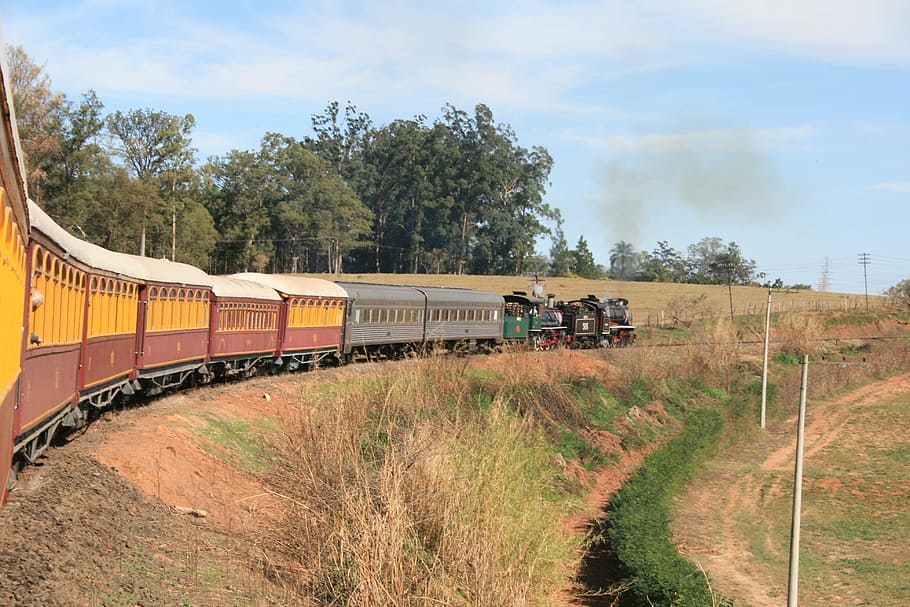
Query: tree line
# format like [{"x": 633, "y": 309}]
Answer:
[
  {"x": 708, "y": 261},
  {"x": 455, "y": 194}
]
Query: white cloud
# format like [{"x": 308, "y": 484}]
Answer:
[
  {"x": 841, "y": 31},
  {"x": 532, "y": 56},
  {"x": 708, "y": 139},
  {"x": 902, "y": 187}
]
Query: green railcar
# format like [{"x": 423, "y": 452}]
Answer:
[{"x": 522, "y": 318}]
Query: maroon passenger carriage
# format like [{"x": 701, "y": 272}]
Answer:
[
  {"x": 243, "y": 331},
  {"x": 311, "y": 319},
  {"x": 101, "y": 324},
  {"x": 173, "y": 324},
  {"x": 55, "y": 333}
]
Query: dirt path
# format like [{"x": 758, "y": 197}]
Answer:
[{"x": 722, "y": 529}]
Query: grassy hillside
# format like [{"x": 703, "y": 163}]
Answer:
[
  {"x": 652, "y": 303},
  {"x": 472, "y": 480}
]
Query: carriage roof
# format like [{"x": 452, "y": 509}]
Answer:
[
  {"x": 292, "y": 285},
  {"x": 123, "y": 264},
  {"x": 238, "y": 288}
]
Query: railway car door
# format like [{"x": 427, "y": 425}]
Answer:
[{"x": 141, "y": 323}]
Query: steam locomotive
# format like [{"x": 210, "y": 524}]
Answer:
[{"x": 589, "y": 322}]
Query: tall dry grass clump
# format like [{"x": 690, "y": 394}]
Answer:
[
  {"x": 711, "y": 355},
  {"x": 798, "y": 333},
  {"x": 411, "y": 489},
  {"x": 714, "y": 350}
]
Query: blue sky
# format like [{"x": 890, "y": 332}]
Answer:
[{"x": 783, "y": 126}]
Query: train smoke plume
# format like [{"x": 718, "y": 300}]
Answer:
[{"x": 712, "y": 174}]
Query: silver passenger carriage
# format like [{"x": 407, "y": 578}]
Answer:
[
  {"x": 392, "y": 320},
  {"x": 463, "y": 317},
  {"x": 383, "y": 320}
]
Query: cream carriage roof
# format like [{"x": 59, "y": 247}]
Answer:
[
  {"x": 288, "y": 284},
  {"x": 133, "y": 266}
]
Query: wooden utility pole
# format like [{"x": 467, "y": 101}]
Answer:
[
  {"x": 865, "y": 261},
  {"x": 729, "y": 267}
]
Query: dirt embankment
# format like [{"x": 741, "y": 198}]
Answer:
[{"x": 137, "y": 510}]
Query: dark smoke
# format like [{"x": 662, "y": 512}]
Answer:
[{"x": 713, "y": 174}]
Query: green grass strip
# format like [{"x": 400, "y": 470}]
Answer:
[{"x": 638, "y": 523}]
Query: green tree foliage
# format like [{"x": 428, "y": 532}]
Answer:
[
  {"x": 709, "y": 261},
  {"x": 115, "y": 209},
  {"x": 73, "y": 181},
  {"x": 712, "y": 262},
  {"x": 341, "y": 139},
  {"x": 38, "y": 117},
  {"x": 313, "y": 207},
  {"x": 239, "y": 191},
  {"x": 405, "y": 193},
  {"x": 623, "y": 260},
  {"x": 663, "y": 264},
  {"x": 157, "y": 148},
  {"x": 584, "y": 265},
  {"x": 283, "y": 208},
  {"x": 510, "y": 182},
  {"x": 456, "y": 195},
  {"x": 561, "y": 258},
  {"x": 196, "y": 235}
]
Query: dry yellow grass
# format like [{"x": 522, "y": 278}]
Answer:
[
  {"x": 652, "y": 303},
  {"x": 408, "y": 489}
]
